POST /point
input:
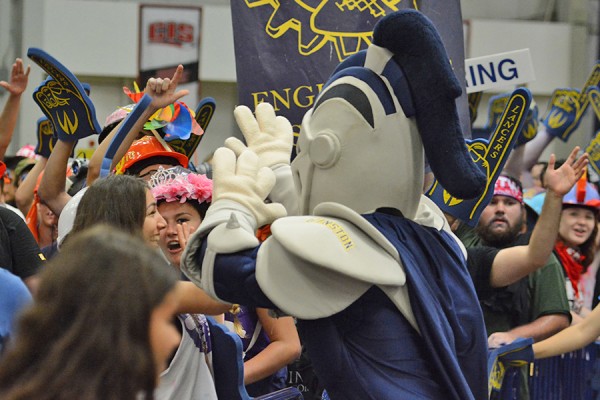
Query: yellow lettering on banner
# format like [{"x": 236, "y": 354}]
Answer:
[
  {"x": 339, "y": 231},
  {"x": 283, "y": 99},
  {"x": 286, "y": 98}
]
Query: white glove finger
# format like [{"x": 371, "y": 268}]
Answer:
[
  {"x": 236, "y": 145},
  {"x": 246, "y": 122},
  {"x": 284, "y": 129},
  {"x": 224, "y": 163},
  {"x": 266, "y": 118},
  {"x": 265, "y": 180},
  {"x": 247, "y": 164}
]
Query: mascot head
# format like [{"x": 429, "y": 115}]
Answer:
[{"x": 363, "y": 142}]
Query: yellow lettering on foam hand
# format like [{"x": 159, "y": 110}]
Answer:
[
  {"x": 565, "y": 102},
  {"x": 497, "y": 375},
  {"x": 556, "y": 119},
  {"x": 508, "y": 124},
  {"x": 529, "y": 131},
  {"x": 451, "y": 200},
  {"x": 66, "y": 124}
]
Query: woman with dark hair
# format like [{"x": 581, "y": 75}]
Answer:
[
  {"x": 100, "y": 326},
  {"x": 125, "y": 202},
  {"x": 575, "y": 246},
  {"x": 122, "y": 201}
]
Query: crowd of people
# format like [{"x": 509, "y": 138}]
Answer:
[{"x": 94, "y": 305}]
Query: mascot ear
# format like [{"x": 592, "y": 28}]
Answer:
[
  {"x": 325, "y": 150},
  {"x": 417, "y": 47}
]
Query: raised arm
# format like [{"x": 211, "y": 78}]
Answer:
[
  {"x": 95, "y": 165},
  {"x": 572, "y": 338},
  {"x": 513, "y": 263},
  {"x": 52, "y": 187},
  {"x": 8, "y": 118},
  {"x": 533, "y": 150},
  {"x": 194, "y": 300},
  {"x": 163, "y": 92},
  {"x": 283, "y": 349},
  {"x": 25, "y": 192}
]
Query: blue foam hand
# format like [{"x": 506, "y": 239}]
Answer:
[
  {"x": 63, "y": 99},
  {"x": 593, "y": 94},
  {"x": 593, "y": 149},
  {"x": 515, "y": 354},
  {"x": 496, "y": 107},
  {"x": 567, "y": 106},
  {"x": 530, "y": 128},
  {"x": 490, "y": 156},
  {"x": 45, "y": 136},
  {"x": 564, "y": 115},
  {"x": 474, "y": 99}
]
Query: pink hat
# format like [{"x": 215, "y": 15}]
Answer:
[
  {"x": 27, "y": 151},
  {"x": 510, "y": 187}
]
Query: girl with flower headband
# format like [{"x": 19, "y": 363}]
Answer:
[
  {"x": 182, "y": 198},
  {"x": 269, "y": 343}
]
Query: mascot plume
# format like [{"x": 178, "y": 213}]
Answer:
[{"x": 384, "y": 303}]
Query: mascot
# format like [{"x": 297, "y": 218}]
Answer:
[{"x": 368, "y": 266}]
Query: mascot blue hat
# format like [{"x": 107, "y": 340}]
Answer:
[
  {"x": 419, "y": 51},
  {"x": 384, "y": 109}
]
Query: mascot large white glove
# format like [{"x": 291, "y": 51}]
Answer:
[
  {"x": 240, "y": 187},
  {"x": 238, "y": 208},
  {"x": 271, "y": 137},
  {"x": 240, "y": 179}
]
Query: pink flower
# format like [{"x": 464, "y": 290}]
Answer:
[{"x": 184, "y": 187}]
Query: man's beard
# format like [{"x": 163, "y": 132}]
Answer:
[{"x": 496, "y": 238}]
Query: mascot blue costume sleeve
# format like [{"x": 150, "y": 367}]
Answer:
[{"x": 378, "y": 283}]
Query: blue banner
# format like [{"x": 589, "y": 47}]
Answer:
[{"x": 285, "y": 50}]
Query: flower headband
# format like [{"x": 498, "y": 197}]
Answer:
[
  {"x": 180, "y": 184},
  {"x": 176, "y": 120}
]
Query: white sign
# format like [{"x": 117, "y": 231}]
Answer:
[
  {"x": 499, "y": 70},
  {"x": 169, "y": 36}
]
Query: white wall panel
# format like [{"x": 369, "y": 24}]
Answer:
[{"x": 549, "y": 43}]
